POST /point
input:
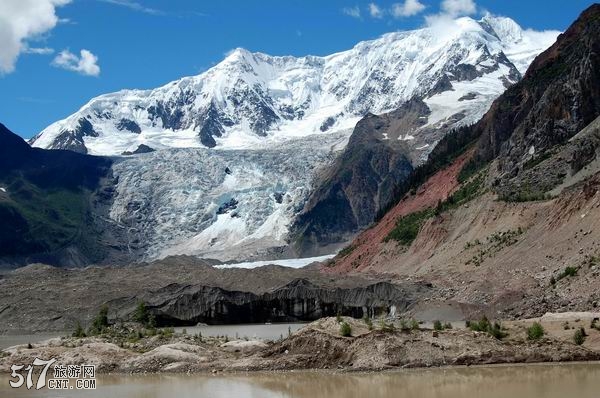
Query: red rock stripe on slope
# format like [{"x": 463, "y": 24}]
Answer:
[{"x": 369, "y": 243}]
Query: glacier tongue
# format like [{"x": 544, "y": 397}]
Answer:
[{"x": 222, "y": 204}]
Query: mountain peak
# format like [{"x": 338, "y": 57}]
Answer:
[
  {"x": 506, "y": 29},
  {"x": 237, "y": 54}
]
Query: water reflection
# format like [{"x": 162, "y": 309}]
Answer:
[{"x": 531, "y": 381}]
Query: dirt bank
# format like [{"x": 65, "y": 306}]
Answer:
[{"x": 320, "y": 345}]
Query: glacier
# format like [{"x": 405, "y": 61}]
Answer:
[{"x": 221, "y": 204}]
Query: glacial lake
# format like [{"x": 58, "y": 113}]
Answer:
[
  {"x": 527, "y": 381},
  {"x": 252, "y": 331}
]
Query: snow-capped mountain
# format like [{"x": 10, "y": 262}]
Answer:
[
  {"x": 237, "y": 149},
  {"x": 250, "y": 98}
]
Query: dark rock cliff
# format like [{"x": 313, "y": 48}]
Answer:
[{"x": 362, "y": 180}]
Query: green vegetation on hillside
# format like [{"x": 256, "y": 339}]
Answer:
[
  {"x": 525, "y": 195},
  {"x": 568, "y": 272},
  {"x": 407, "y": 228},
  {"x": 346, "y": 251},
  {"x": 492, "y": 245}
]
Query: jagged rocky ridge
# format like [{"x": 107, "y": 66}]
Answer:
[
  {"x": 252, "y": 95},
  {"x": 558, "y": 97}
]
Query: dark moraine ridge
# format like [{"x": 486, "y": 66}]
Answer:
[{"x": 299, "y": 300}]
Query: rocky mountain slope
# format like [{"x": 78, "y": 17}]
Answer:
[
  {"x": 46, "y": 201},
  {"x": 186, "y": 290},
  {"x": 362, "y": 180},
  {"x": 511, "y": 225}
]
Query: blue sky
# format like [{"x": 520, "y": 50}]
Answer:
[{"x": 147, "y": 43}]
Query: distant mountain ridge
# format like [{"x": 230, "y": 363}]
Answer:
[{"x": 249, "y": 98}]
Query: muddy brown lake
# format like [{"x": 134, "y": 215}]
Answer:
[{"x": 581, "y": 380}]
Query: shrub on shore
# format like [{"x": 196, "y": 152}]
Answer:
[
  {"x": 535, "y": 331},
  {"x": 345, "y": 329},
  {"x": 100, "y": 323},
  {"x": 414, "y": 324},
  {"x": 439, "y": 326},
  {"x": 79, "y": 332},
  {"x": 143, "y": 316},
  {"x": 579, "y": 336},
  {"x": 484, "y": 325},
  {"x": 386, "y": 327}
]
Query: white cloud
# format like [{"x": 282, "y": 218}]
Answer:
[
  {"x": 455, "y": 8},
  {"x": 135, "y": 6},
  {"x": 21, "y": 21},
  {"x": 449, "y": 11},
  {"x": 354, "y": 12},
  {"x": 407, "y": 9},
  {"x": 38, "y": 50},
  {"x": 86, "y": 64},
  {"x": 375, "y": 10},
  {"x": 66, "y": 21}
]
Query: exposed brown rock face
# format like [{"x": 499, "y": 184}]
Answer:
[{"x": 559, "y": 96}]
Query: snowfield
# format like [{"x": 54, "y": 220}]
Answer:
[{"x": 291, "y": 263}]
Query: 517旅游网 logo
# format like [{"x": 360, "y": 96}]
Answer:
[{"x": 65, "y": 377}]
